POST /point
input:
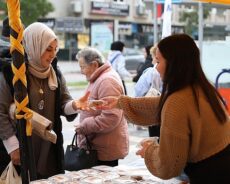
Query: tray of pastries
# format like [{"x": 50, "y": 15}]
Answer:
[{"x": 107, "y": 175}]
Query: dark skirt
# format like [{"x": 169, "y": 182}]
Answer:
[{"x": 213, "y": 170}]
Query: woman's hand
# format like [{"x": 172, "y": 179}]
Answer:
[
  {"x": 15, "y": 157},
  {"x": 12, "y": 110},
  {"x": 77, "y": 128},
  {"x": 82, "y": 103},
  {"x": 144, "y": 144},
  {"x": 109, "y": 102}
]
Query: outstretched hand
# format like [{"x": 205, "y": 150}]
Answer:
[
  {"x": 144, "y": 144},
  {"x": 109, "y": 102},
  {"x": 82, "y": 103}
]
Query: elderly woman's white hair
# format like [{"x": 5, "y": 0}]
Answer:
[{"x": 90, "y": 54}]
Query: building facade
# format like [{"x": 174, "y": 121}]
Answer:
[{"x": 97, "y": 23}]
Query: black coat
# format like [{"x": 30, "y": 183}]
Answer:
[
  {"x": 57, "y": 126},
  {"x": 142, "y": 67}
]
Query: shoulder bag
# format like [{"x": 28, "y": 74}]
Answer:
[
  {"x": 78, "y": 158},
  {"x": 153, "y": 92}
]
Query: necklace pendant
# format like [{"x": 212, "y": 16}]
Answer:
[
  {"x": 41, "y": 105},
  {"x": 41, "y": 91}
]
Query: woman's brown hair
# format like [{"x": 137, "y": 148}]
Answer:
[{"x": 183, "y": 68}]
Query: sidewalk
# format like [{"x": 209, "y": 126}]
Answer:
[
  {"x": 71, "y": 71},
  {"x": 68, "y": 67}
]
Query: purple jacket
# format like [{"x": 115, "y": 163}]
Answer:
[{"x": 107, "y": 130}]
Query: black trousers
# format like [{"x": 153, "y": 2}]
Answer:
[
  {"x": 123, "y": 82},
  {"x": 154, "y": 131},
  {"x": 4, "y": 157},
  {"x": 112, "y": 163},
  {"x": 213, "y": 170}
]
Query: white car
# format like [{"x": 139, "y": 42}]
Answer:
[{"x": 133, "y": 58}]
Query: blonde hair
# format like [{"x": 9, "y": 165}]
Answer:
[{"x": 153, "y": 50}]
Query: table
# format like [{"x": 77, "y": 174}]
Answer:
[{"x": 122, "y": 174}]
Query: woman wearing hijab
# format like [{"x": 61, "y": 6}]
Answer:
[{"x": 48, "y": 96}]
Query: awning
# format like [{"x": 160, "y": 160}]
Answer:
[{"x": 216, "y": 1}]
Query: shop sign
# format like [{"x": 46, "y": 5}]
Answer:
[
  {"x": 50, "y": 22},
  {"x": 110, "y": 8},
  {"x": 69, "y": 25}
]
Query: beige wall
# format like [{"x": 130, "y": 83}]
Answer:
[
  {"x": 131, "y": 18},
  {"x": 61, "y": 8}
]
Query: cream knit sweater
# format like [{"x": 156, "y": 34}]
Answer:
[{"x": 186, "y": 135}]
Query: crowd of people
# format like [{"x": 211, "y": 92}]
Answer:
[{"x": 173, "y": 98}]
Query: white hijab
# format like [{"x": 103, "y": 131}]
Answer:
[{"x": 37, "y": 37}]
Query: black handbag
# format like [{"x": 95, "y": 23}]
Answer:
[{"x": 78, "y": 158}]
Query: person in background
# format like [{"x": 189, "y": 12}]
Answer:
[
  {"x": 48, "y": 96},
  {"x": 4, "y": 54},
  {"x": 149, "y": 79},
  {"x": 195, "y": 125},
  {"x": 117, "y": 61},
  {"x": 143, "y": 66},
  {"x": 106, "y": 130},
  {"x": 150, "y": 84},
  {"x": 5, "y": 39}
]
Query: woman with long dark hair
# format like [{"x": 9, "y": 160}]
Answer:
[{"x": 195, "y": 126}]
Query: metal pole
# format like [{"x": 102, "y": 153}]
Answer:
[
  {"x": 116, "y": 26},
  {"x": 155, "y": 26},
  {"x": 200, "y": 28}
]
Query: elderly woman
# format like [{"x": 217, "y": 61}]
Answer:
[
  {"x": 48, "y": 96},
  {"x": 106, "y": 129}
]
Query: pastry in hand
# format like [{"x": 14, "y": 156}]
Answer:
[{"x": 93, "y": 104}]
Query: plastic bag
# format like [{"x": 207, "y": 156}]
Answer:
[
  {"x": 153, "y": 92},
  {"x": 10, "y": 175}
]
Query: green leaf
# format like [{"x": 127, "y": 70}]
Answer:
[{"x": 31, "y": 10}]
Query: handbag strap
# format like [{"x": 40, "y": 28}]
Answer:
[
  {"x": 115, "y": 58},
  {"x": 88, "y": 144}
]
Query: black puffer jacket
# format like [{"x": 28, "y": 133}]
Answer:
[{"x": 142, "y": 67}]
